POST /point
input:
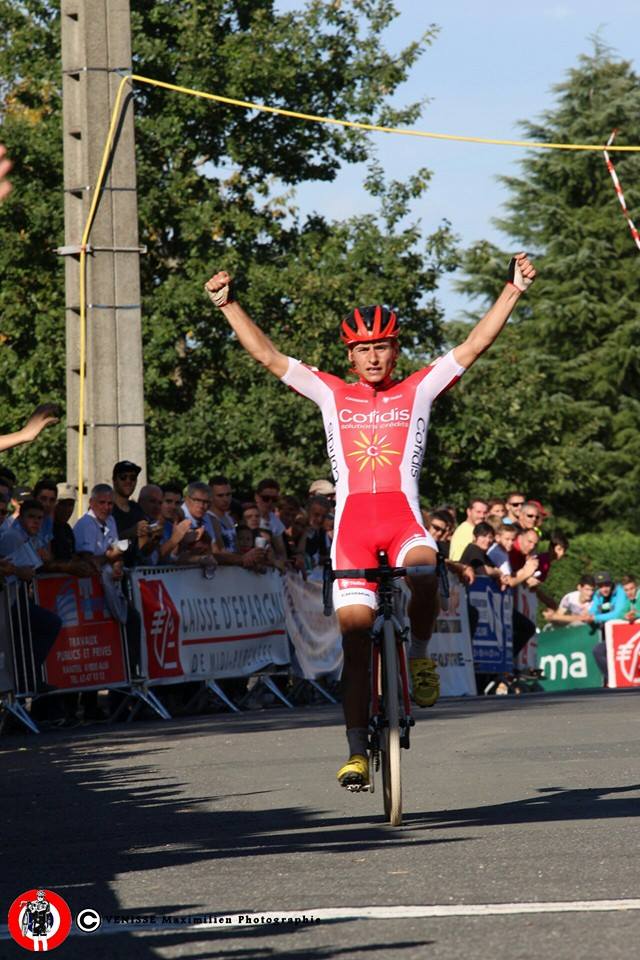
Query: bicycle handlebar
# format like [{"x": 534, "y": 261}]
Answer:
[{"x": 374, "y": 574}]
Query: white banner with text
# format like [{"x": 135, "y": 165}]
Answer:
[
  {"x": 450, "y": 645},
  {"x": 316, "y": 639},
  {"x": 199, "y": 628}
]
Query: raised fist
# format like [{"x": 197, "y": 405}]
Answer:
[
  {"x": 219, "y": 288},
  {"x": 521, "y": 273}
]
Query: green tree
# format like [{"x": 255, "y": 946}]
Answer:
[
  {"x": 555, "y": 406},
  {"x": 217, "y": 189},
  {"x": 31, "y": 226}
]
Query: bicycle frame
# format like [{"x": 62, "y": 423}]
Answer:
[
  {"x": 390, "y": 705},
  {"x": 378, "y": 717}
]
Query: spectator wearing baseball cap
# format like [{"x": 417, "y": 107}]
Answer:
[
  {"x": 129, "y": 516},
  {"x": 609, "y": 603},
  {"x": 62, "y": 544},
  {"x": 322, "y": 488},
  {"x": 21, "y": 493}
]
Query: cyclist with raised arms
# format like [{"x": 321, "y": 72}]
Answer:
[{"x": 376, "y": 438}]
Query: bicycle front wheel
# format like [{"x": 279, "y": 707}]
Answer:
[{"x": 390, "y": 741}]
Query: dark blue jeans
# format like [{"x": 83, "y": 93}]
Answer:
[{"x": 600, "y": 656}]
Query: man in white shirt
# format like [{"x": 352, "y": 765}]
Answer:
[
  {"x": 95, "y": 533},
  {"x": 573, "y": 609},
  {"x": 96, "y": 537}
]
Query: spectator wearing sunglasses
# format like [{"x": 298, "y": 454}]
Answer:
[
  {"x": 440, "y": 525},
  {"x": 529, "y": 517},
  {"x": 514, "y": 502},
  {"x": 266, "y": 497},
  {"x": 128, "y": 515}
]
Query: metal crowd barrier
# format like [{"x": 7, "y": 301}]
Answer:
[
  {"x": 21, "y": 677},
  {"x": 18, "y": 670}
]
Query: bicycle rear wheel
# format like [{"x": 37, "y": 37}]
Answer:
[{"x": 390, "y": 740}]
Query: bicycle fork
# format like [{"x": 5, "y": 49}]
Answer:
[{"x": 378, "y": 720}]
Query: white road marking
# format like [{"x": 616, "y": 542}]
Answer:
[
  {"x": 309, "y": 916},
  {"x": 473, "y": 909}
]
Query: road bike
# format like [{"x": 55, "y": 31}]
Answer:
[{"x": 390, "y": 705}]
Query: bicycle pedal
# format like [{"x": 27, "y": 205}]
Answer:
[{"x": 356, "y": 787}]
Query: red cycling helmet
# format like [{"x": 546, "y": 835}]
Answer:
[{"x": 369, "y": 323}]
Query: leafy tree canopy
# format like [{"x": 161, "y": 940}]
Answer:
[
  {"x": 216, "y": 190},
  {"x": 554, "y": 407}
]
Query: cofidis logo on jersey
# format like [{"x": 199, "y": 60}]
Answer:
[
  {"x": 373, "y": 418},
  {"x": 39, "y": 919},
  {"x": 373, "y": 451}
]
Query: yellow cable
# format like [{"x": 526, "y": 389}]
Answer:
[
  {"x": 115, "y": 115},
  {"x": 263, "y": 108},
  {"x": 357, "y": 125}
]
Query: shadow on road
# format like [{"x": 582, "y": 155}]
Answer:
[
  {"x": 77, "y": 818},
  {"x": 551, "y": 804},
  {"x": 258, "y": 944}
]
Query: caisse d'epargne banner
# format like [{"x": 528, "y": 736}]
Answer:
[
  {"x": 89, "y": 651},
  {"x": 195, "y": 628},
  {"x": 623, "y": 653},
  {"x": 316, "y": 639}
]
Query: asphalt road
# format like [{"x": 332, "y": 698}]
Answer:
[{"x": 508, "y": 801}]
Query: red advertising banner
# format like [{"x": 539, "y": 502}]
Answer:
[
  {"x": 623, "y": 653},
  {"x": 88, "y": 651}
]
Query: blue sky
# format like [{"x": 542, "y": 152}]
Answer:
[{"x": 493, "y": 64}]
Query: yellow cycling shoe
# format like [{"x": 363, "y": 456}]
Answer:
[
  {"x": 355, "y": 772},
  {"x": 425, "y": 681}
]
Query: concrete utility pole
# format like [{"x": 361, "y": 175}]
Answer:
[{"x": 96, "y": 42}]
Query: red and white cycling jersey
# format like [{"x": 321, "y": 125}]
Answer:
[
  {"x": 376, "y": 436},
  {"x": 376, "y": 441}
]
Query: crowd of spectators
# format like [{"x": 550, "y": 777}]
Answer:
[
  {"x": 204, "y": 523},
  {"x": 500, "y": 538},
  {"x": 198, "y": 523}
]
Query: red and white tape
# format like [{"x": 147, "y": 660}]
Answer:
[{"x": 616, "y": 183}]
